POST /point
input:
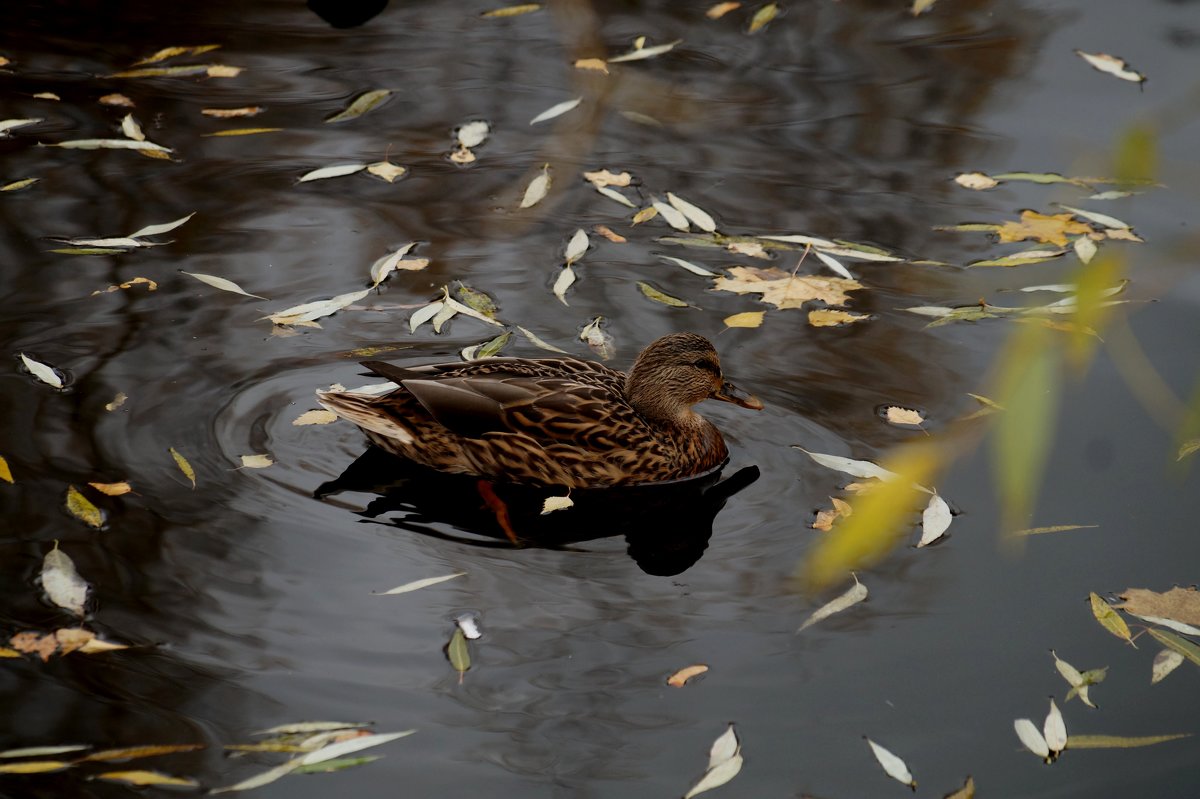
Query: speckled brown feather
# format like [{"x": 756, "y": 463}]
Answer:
[{"x": 551, "y": 421}]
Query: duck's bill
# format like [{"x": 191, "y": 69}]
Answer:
[{"x": 731, "y": 393}]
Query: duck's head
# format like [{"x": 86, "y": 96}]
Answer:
[{"x": 677, "y": 371}]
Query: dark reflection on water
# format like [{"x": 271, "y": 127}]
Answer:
[{"x": 247, "y": 601}]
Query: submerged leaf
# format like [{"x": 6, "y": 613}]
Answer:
[{"x": 459, "y": 654}]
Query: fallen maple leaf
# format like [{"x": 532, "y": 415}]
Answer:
[
  {"x": 784, "y": 290},
  {"x": 1178, "y": 604},
  {"x": 1052, "y": 228}
]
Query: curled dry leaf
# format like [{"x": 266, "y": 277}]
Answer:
[
  {"x": 603, "y": 178},
  {"x": 131, "y": 128},
  {"x": 597, "y": 339},
  {"x": 5, "y": 472},
  {"x": 825, "y": 518},
  {"x": 1111, "y": 65},
  {"x": 895, "y": 414},
  {"x": 551, "y": 504},
  {"x": 128, "y": 284},
  {"x": 681, "y": 677},
  {"x": 610, "y": 234},
  {"x": 1178, "y": 604}
]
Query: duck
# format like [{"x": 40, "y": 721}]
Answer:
[{"x": 559, "y": 421}]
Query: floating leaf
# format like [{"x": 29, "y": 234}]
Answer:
[
  {"x": 660, "y": 297},
  {"x": 1074, "y": 678},
  {"x": 311, "y": 311},
  {"x": 1187, "y": 448},
  {"x": 11, "y": 124},
  {"x": 488, "y": 349},
  {"x": 674, "y": 217},
  {"x": 222, "y": 284},
  {"x": 473, "y": 134},
  {"x": 935, "y": 520},
  {"x": 681, "y": 677},
  {"x": 1054, "y": 730},
  {"x": 34, "y": 767},
  {"x": 746, "y": 319},
  {"x": 512, "y": 11},
  {"x": 1100, "y": 219},
  {"x": 163, "y": 227},
  {"x": 1052, "y": 228},
  {"x": 340, "y": 748},
  {"x": 829, "y": 317},
  {"x": 17, "y": 185},
  {"x": 385, "y": 265},
  {"x": 976, "y": 181},
  {"x": 855, "y": 594},
  {"x": 610, "y": 234},
  {"x": 423, "y": 315},
  {"x": 315, "y": 417},
  {"x": 256, "y": 461},
  {"x": 42, "y": 751},
  {"x": 1085, "y": 248},
  {"x": 111, "y": 144},
  {"x": 336, "y": 171},
  {"x": 263, "y": 778},
  {"x": 577, "y": 246},
  {"x": 894, "y": 766},
  {"x": 639, "y": 53},
  {"x": 338, "y": 764},
  {"x": 171, "y": 52},
  {"x": 826, "y": 518},
  {"x": 593, "y": 64},
  {"x": 61, "y": 581},
  {"x": 784, "y": 290},
  {"x": 459, "y": 654},
  {"x": 112, "y": 489},
  {"x": 128, "y": 284},
  {"x": 967, "y": 791},
  {"x": 721, "y": 9},
  {"x": 1032, "y": 738},
  {"x": 81, "y": 508},
  {"x": 860, "y": 469},
  {"x": 598, "y": 340},
  {"x": 696, "y": 215},
  {"x": 613, "y": 194},
  {"x": 1109, "y": 619},
  {"x": 1176, "y": 644},
  {"x": 184, "y": 466},
  {"x": 44, "y": 372},
  {"x": 724, "y": 763},
  {"x": 551, "y": 504},
  {"x": 603, "y": 178},
  {"x": 556, "y": 110},
  {"x": 1111, "y": 65},
  {"x": 691, "y": 267},
  {"x": 241, "y": 132},
  {"x": 231, "y": 113},
  {"x": 132, "y": 129},
  {"x": 118, "y": 100},
  {"x": 895, "y": 414},
  {"x": 1165, "y": 662},
  {"x": 566, "y": 277},
  {"x": 361, "y": 105},
  {"x": 1120, "y": 741},
  {"x": 5, "y": 472},
  {"x": 417, "y": 585},
  {"x": 537, "y": 189},
  {"x": 146, "y": 778},
  {"x": 762, "y": 17},
  {"x": 387, "y": 170},
  {"x": 537, "y": 342},
  {"x": 645, "y": 215},
  {"x": 1178, "y": 604}
]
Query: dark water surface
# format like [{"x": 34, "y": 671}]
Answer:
[{"x": 249, "y": 600}]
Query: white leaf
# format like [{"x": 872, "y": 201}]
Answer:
[
  {"x": 894, "y": 766},
  {"x": 1055, "y": 729},
  {"x": 42, "y": 372},
  {"x": 698, "y": 216},
  {"x": 537, "y": 342},
  {"x": 724, "y": 748},
  {"x": 222, "y": 284},
  {"x": 417, "y": 585},
  {"x": 265, "y": 778},
  {"x": 799, "y": 239},
  {"x": 383, "y": 266},
  {"x": 310, "y": 311},
  {"x": 62, "y": 582},
  {"x": 863, "y": 469},
  {"x": 116, "y": 241},
  {"x": 1068, "y": 672},
  {"x": 930, "y": 310},
  {"x": 935, "y": 520},
  {"x": 674, "y": 218},
  {"x": 1032, "y": 737},
  {"x": 1111, "y": 65},
  {"x": 42, "y": 751},
  {"x": 473, "y": 134},
  {"x": 443, "y": 316},
  {"x": 613, "y": 194},
  {"x": 165, "y": 227},
  {"x": 111, "y": 144},
  {"x": 257, "y": 461},
  {"x": 8, "y": 124},
  {"x": 469, "y": 624},
  {"x": 577, "y": 246},
  {"x": 1165, "y": 662},
  {"x": 638, "y": 53},
  {"x": 855, "y": 594},
  {"x": 336, "y": 171},
  {"x": 132, "y": 129},
  {"x": 537, "y": 189},
  {"x": 423, "y": 315},
  {"x": 466, "y": 310},
  {"x": 715, "y": 778},
  {"x": 1100, "y": 219},
  {"x": 353, "y": 745},
  {"x": 833, "y": 264},
  {"x": 1085, "y": 248},
  {"x": 552, "y": 504},
  {"x": 688, "y": 265},
  {"x": 563, "y": 282},
  {"x": 556, "y": 110},
  {"x": 847, "y": 251},
  {"x": 1177, "y": 626}
]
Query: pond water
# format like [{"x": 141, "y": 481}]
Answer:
[{"x": 247, "y": 600}]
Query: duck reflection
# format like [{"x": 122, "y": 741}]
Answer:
[{"x": 666, "y": 525}]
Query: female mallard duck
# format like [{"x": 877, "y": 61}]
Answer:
[{"x": 553, "y": 421}]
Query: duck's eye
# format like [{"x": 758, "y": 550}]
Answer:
[{"x": 707, "y": 366}]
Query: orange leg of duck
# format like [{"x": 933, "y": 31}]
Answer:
[{"x": 497, "y": 506}]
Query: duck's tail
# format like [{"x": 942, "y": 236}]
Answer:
[{"x": 367, "y": 413}]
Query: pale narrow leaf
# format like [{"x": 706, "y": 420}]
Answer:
[
  {"x": 1068, "y": 672},
  {"x": 716, "y": 777},
  {"x": 467, "y": 310},
  {"x": 310, "y": 311},
  {"x": 563, "y": 282},
  {"x": 222, "y": 284},
  {"x": 684, "y": 675},
  {"x": 1085, "y": 248},
  {"x": 1121, "y": 741},
  {"x": 613, "y": 194},
  {"x": 417, "y": 585},
  {"x": 577, "y": 246},
  {"x": 638, "y": 53},
  {"x": 674, "y": 218},
  {"x": 361, "y": 105},
  {"x": 1100, "y": 219},
  {"x": 1165, "y": 662},
  {"x": 10, "y": 124},
  {"x": 861, "y": 469},
  {"x": 384, "y": 266},
  {"x": 935, "y": 520},
  {"x": 537, "y": 342},
  {"x": 111, "y": 144},
  {"x": 556, "y": 110},
  {"x": 1055, "y": 729},
  {"x": 132, "y": 129},
  {"x": 688, "y": 265},
  {"x": 41, "y": 371},
  {"x": 264, "y": 778},
  {"x": 834, "y": 264},
  {"x": 697, "y": 216},
  {"x": 62, "y": 582},
  {"x": 537, "y": 189},
  {"x": 1031, "y": 737},
  {"x": 1111, "y": 65},
  {"x": 165, "y": 227},
  {"x": 423, "y": 315},
  {"x": 855, "y": 594},
  {"x": 336, "y": 171},
  {"x": 352, "y": 745},
  {"x": 42, "y": 751},
  {"x": 893, "y": 765},
  {"x": 724, "y": 748},
  {"x": 256, "y": 461}
]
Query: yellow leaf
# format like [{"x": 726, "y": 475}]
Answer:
[
  {"x": 512, "y": 11},
  {"x": 387, "y": 170},
  {"x": 81, "y": 508},
  {"x": 150, "y": 286},
  {"x": 746, "y": 319},
  {"x": 34, "y": 767},
  {"x": 315, "y": 417},
  {"x": 171, "y": 52},
  {"x": 222, "y": 71},
  {"x": 117, "y": 401},
  {"x": 5, "y": 652},
  {"x": 645, "y": 215},
  {"x": 1052, "y": 228},
  {"x": 135, "y": 752},
  {"x": 1109, "y": 619},
  {"x": 230, "y": 113},
  {"x": 1120, "y": 741},
  {"x": 919, "y": 7},
  {"x": 721, "y": 9},
  {"x": 146, "y": 778},
  {"x": 242, "y": 132},
  {"x": 681, "y": 677},
  {"x": 784, "y": 290},
  {"x": 827, "y": 317},
  {"x": 552, "y": 504},
  {"x": 967, "y": 791},
  {"x": 184, "y": 466},
  {"x": 763, "y": 17},
  {"x": 256, "y": 461},
  {"x": 1058, "y": 528},
  {"x": 595, "y": 64},
  {"x": 5, "y": 472},
  {"x": 658, "y": 296},
  {"x": 100, "y": 645},
  {"x": 112, "y": 489},
  {"x": 897, "y": 415}
]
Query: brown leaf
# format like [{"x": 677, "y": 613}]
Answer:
[
  {"x": 783, "y": 290},
  {"x": 119, "y": 100},
  {"x": 827, "y": 517},
  {"x": 32, "y": 643},
  {"x": 680, "y": 678},
  {"x": 1178, "y": 604},
  {"x": 610, "y": 234},
  {"x": 1052, "y": 228},
  {"x": 606, "y": 178}
]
